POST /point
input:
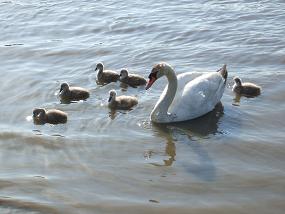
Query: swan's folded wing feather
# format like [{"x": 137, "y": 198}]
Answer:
[
  {"x": 198, "y": 96},
  {"x": 182, "y": 79}
]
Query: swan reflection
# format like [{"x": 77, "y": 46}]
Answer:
[
  {"x": 195, "y": 129},
  {"x": 199, "y": 127}
]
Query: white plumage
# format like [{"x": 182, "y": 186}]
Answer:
[{"x": 187, "y": 96}]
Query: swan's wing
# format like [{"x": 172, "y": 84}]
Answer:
[
  {"x": 199, "y": 96},
  {"x": 182, "y": 79}
]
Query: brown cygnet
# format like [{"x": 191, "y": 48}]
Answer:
[
  {"x": 121, "y": 102},
  {"x": 246, "y": 89},
  {"x": 73, "y": 93},
  {"x": 133, "y": 80},
  {"x": 53, "y": 116},
  {"x": 106, "y": 76}
]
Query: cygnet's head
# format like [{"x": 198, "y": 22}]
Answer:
[
  {"x": 64, "y": 87},
  {"x": 158, "y": 71},
  {"x": 124, "y": 73},
  {"x": 112, "y": 95},
  {"x": 237, "y": 81},
  {"x": 99, "y": 67},
  {"x": 39, "y": 113}
]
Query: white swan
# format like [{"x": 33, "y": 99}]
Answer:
[{"x": 187, "y": 96}]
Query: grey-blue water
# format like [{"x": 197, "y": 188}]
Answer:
[{"x": 229, "y": 161}]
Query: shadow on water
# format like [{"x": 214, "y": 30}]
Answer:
[
  {"x": 69, "y": 101},
  {"x": 199, "y": 128},
  {"x": 237, "y": 98},
  {"x": 113, "y": 113},
  {"x": 202, "y": 126}
]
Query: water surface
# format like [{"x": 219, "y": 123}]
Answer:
[{"x": 229, "y": 161}]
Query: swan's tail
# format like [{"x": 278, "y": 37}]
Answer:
[{"x": 223, "y": 71}]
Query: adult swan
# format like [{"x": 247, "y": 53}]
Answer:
[{"x": 188, "y": 95}]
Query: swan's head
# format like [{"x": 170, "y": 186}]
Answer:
[
  {"x": 223, "y": 71},
  {"x": 237, "y": 81},
  {"x": 124, "y": 73},
  {"x": 39, "y": 114},
  {"x": 157, "y": 71},
  {"x": 99, "y": 67},
  {"x": 64, "y": 87},
  {"x": 112, "y": 95}
]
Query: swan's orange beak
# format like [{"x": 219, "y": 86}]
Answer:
[{"x": 150, "y": 82}]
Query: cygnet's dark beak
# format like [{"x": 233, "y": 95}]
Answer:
[
  {"x": 110, "y": 98},
  {"x": 60, "y": 90}
]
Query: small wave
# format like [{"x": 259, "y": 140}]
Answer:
[
  {"x": 15, "y": 44},
  {"x": 20, "y": 205}
]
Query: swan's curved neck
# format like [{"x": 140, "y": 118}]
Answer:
[{"x": 160, "y": 111}]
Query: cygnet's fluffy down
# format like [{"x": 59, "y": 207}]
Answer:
[
  {"x": 106, "y": 76},
  {"x": 246, "y": 89},
  {"x": 73, "y": 93},
  {"x": 133, "y": 80},
  {"x": 121, "y": 102},
  {"x": 53, "y": 116}
]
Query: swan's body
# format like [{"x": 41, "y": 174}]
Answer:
[
  {"x": 106, "y": 76},
  {"x": 53, "y": 116},
  {"x": 121, "y": 102},
  {"x": 247, "y": 89},
  {"x": 68, "y": 93},
  {"x": 133, "y": 80},
  {"x": 188, "y": 95}
]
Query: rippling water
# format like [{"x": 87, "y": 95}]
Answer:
[{"x": 229, "y": 161}]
